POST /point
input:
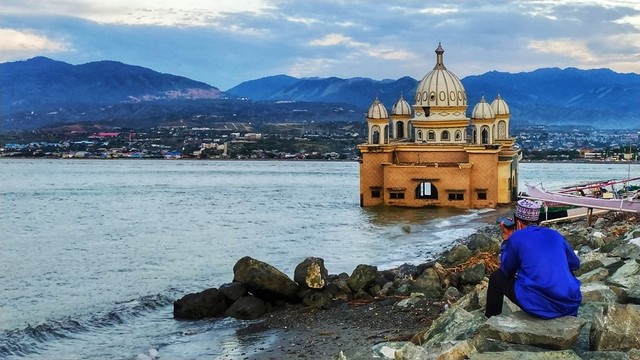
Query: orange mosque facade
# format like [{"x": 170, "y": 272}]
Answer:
[{"x": 433, "y": 155}]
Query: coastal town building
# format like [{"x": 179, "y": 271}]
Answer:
[{"x": 433, "y": 155}]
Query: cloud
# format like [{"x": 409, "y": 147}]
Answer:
[
  {"x": 572, "y": 48},
  {"x": 139, "y": 12},
  {"x": 336, "y": 39},
  {"x": 25, "y": 43},
  {"x": 311, "y": 67}
]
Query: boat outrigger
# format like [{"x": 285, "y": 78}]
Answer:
[{"x": 627, "y": 204}]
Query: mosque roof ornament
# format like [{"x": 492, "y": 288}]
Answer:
[
  {"x": 440, "y": 87},
  {"x": 401, "y": 107},
  {"x": 499, "y": 106},
  {"x": 377, "y": 110},
  {"x": 482, "y": 110}
]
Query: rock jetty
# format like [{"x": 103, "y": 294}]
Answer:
[{"x": 607, "y": 326}]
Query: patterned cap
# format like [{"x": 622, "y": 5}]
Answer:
[{"x": 527, "y": 210}]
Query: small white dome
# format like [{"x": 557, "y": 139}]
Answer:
[
  {"x": 482, "y": 110},
  {"x": 401, "y": 107},
  {"x": 440, "y": 87},
  {"x": 377, "y": 111},
  {"x": 499, "y": 106}
]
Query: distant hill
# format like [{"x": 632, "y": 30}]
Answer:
[
  {"x": 42, "y": 92},
  {"x": 601, "y": 98},
  {"x": 40, "y": 84}
]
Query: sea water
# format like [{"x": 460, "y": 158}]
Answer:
[{"x": 94, "y": 252}]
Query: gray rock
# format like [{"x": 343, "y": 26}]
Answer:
[
  {"x": 577, "y": 238},
  {"x": 246, "y": 308},
  {"x": 362, "y": 277},
  {"x": 407, "y": 271},
  {"x": 588, "y": 265},
  {"x": 483, "y": 242},
  {"x": 604, "y": 355},
  {"x": 617, "y": 328},
  {"x": 206, "y": 304},
  {"x": 473, "y": 275},
  {"x": 627, "y": 251},
  {"x": 342, "y": 285},
  {"x": 232, "y": 291},
  {"x": 311, "y": 273},
  {"x": 594, "y": 275},
  {"x": 600, "y": 223},
  {"x": 597, "y": 292},
  {"x": 264, "y": 280},
  {"x": 316, "y": 299},
  {"x": 454, "y": 324},
  {"x": 519, "y": 355},
  {"x": 633, "y": 295},
  {"x": 457, "y": 255},
  {"x": 521, "y": 328},
  {"x": 627, "y": 275},
  {"x": 428, "y": 283}
]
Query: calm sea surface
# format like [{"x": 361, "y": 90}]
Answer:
[{"x": 93, "y": 253}]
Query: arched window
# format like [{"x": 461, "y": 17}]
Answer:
[
  {"x": 386, "y": 134},
  {"x": 431, "y": 135},
  {"x": 399, "y": 130},
  {"x": 485, "y": 135},
  {"x": 445, "y": 136},
  {"x": 375, "y": 134},
  {"x": 458, "y": 135},
  {"x": 419, "y": 135},
  {"x": 426, "y": 190}
]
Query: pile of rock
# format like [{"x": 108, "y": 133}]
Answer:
[
  {"x": 259, "y": 288},
  {"x": 608, "y": 325}
]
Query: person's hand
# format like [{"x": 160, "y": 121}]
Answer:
[{"x": 506, "y": 231}]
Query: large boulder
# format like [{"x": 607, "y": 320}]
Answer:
[
  {"x": 521, "y": 328},
  {"x": 362, "y": 277},
  {"x": 246, "y": 308},
  {"x": 617, "y": 328},
  {"x": 264, "y": 280},
  {"x": 473, "y": 275},
  {"x": 232, "y": 291},
  {"x": 483, "y": 242},
  {"x": 311, "y": 273},
  {"x": 205, "y": 304},
  {"x": 457, "y": 255},
  {"x": 428, "y": 283},
  {"x": 454, "y": 324}
]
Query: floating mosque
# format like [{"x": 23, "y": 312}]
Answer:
[{"x": 432, "y": 155}]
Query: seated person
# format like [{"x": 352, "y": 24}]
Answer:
[{"x": 536, "y": 269}]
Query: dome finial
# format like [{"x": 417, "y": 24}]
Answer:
[{"x": 439, "y": 58}]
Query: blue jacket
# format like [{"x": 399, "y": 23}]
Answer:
[{"x": 543, "y": 262}]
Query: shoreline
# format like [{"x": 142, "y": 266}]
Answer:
[
  {"x": 633, "y": 162},
  {"x": 361, "y": 329}
]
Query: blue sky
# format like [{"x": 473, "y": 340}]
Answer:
[{"x": 226, "y": 42}]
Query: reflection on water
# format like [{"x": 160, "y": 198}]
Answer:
[{"x": 385, "y": 215}]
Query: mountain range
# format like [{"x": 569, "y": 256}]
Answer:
[{"x": 41, "y": 92}]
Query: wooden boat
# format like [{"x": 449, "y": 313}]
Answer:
[{"x": 627, "y": 204}]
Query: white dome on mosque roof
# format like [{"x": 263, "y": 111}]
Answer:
[
  {"x": 499, "y": 106},
  {"x": 401, "y": 107},
  {"x": 482, "y": 110},
  {"x": 440, "y": 87},
  {"x": 377, "y": 111}
]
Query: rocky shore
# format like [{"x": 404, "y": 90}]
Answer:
[{"x": 435, "y": 310}]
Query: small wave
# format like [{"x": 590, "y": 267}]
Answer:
[{"x": 33, "y": 339}]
